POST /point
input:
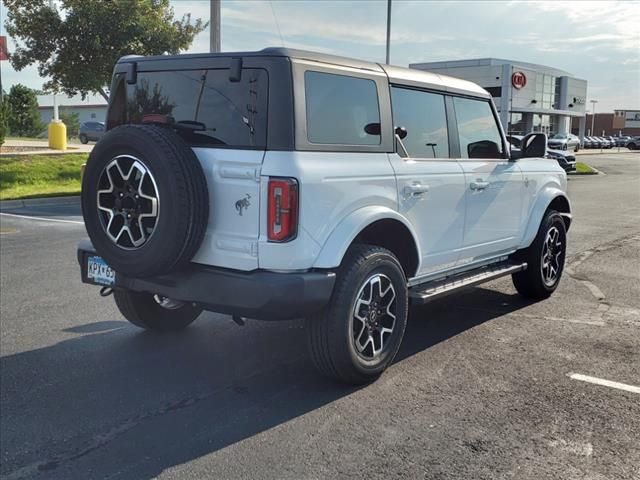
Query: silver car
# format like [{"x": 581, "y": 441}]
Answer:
[
  {"x": 91, "y": 131},
  {"x": 564, "y": 141}
]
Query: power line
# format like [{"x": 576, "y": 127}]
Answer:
[{"x": 273, "y": 12}]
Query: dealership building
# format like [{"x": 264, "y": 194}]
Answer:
[{"x": 529, "y": 97}]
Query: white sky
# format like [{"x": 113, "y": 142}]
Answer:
[{"x": 596, "y": 41}]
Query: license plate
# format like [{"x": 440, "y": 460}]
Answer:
[{"x": 99, "y": 272}]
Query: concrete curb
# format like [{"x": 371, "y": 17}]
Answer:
[
  {"x": 37, "y": 202},
  {"x": 595, "y": 172},
  {"x": 597, "y": 151}
]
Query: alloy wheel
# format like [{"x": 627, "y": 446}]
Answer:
[
  {"x": 551, "y": 260},
  {"x": 128, "y": 202},
  {"x": 374, "y": 316}
]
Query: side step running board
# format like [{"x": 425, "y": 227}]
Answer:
[{"x": 426, "y": 292}]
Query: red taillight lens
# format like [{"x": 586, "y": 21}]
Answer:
[{"x": 282, "y": 209}]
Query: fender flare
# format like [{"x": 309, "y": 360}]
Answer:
[
  {"x": 543, "y": 200},
  {"x": 347, "y": 230}
]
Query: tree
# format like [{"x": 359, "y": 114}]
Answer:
[
  {"x": 71, "y": 120},
  {"x": 78, "y": 46},
  {"x": 24, "y": 117}
]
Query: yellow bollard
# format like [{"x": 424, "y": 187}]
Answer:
[{"x": 57, "y": 135}]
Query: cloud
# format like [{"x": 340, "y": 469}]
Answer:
[{"x": 597, "y": 41}]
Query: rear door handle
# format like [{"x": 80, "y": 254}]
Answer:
[
  {"x": 415, "y": 190},
  {"x": 478, "y": 185}
]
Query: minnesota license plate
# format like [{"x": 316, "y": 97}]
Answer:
[{"x": 99, "y": 272}]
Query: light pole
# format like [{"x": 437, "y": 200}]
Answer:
[
  {"x": 214, "y": 25},
  {"x": 388, "y": 30},
  {"x": 593, "y": 114}
]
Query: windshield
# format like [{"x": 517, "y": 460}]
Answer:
[
  {"x": 560, "y": 136},
  {"x": 204, "y": 106}
]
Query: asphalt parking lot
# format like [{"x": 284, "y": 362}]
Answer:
[{"x": 486, "y": 385}]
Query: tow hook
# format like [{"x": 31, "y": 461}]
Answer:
[
  {"x": 106, "y": 291},
  {"x": 239, "y": 320}
]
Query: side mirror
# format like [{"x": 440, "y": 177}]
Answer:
[
  {"x": 401, "y": 132},
  {"x": 534, "y": 145}
]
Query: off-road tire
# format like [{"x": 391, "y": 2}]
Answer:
[
  {"x": 183, "y": 200},
  {"x": 329, "y": 334},
  {"x": 530, "y": 282},
  {"x": 144, "y": 311}
]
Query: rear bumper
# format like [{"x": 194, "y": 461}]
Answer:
[{"x": 259, "y": 294}]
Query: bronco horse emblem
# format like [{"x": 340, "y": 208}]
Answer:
[{"x": 243, "y": 204}]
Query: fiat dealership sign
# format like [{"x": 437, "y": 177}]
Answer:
[{"x": 518, "y": 80}]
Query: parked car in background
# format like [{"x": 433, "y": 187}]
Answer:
[
  {"x": 622, "y": 140},
  {"x": 606, "y": 143},
  {"x": 566, "y": 160},
  {"x": 91, "y": 131},
  {"x": 596, "y": 142},
  {"x": 564, "y": 141},
  {"x": 633, "y": 143},
  {"x": 587, "y": 142}
]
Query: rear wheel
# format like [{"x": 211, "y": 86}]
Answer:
[
  {"x": 356, "y": 337},
  {"x": 545, "y": 258},
  {"x": 153, "y": 312},
  {"x": 144, "y": 200}
]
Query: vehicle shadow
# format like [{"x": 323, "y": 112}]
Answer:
[{"x": 133, "y": 404}]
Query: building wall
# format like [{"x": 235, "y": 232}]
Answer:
[
  {"x": 547, "y": 102},
  {"x": 95, "y": 113},
  {"x": 607, "y": 122}
]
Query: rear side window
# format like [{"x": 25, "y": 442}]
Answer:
[
  {"x": 341, "y": 109},
  {"x": 423, "y": 116},
  {"x": 204, "y": 106},
  {"x": 477, "y": 129}
]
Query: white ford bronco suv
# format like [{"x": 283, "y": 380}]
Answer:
[{"x": 284, "y": 184}]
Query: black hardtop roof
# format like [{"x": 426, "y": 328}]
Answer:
[{"x": 399, "y": 74}]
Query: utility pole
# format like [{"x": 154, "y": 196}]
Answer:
[
  {"x": 214, "y": 26},
  {"x": 593, "y": 115},
  {"x": 56, "y": 117},
  {"x": 388, "y": 30}
]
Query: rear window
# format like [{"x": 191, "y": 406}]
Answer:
[
  {"x": 339, "y": 108},
  {"x": 204, "y": 106}
]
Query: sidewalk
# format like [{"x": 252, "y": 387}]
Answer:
[
  {"x": 598, "y": 151},
  {"x": 30, "y": 147}
]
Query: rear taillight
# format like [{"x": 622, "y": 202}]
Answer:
[{"x": 282, "y": 209}]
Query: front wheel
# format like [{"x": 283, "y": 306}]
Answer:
[
  {"x": 153, "y": 312},
  {"x": 545, "y": 258},
  {"x": 83, "y": 139},
  {"x": 356, "y": 337}
]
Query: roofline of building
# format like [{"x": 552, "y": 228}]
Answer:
[
  {"x": 97, "y": 105},
  {"x": 475, "y": 62}
]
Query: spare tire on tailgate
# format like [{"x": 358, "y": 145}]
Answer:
[{"x": 144, "y": 200}]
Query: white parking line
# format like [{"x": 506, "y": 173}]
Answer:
[
  {"x": 42, "y": 219},
  {"x": 605, "y": 383}
]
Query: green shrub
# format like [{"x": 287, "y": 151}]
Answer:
[
  {"x": 24, "y": 120},
  {"x": 4, "y": 118}
]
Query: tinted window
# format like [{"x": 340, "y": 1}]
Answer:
[
  {"x": 203, "y": 106},
  {"x": 422, "y": 114},
  {"x": 477, "y": 129},
  {"x": 339, "y": 108}
]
